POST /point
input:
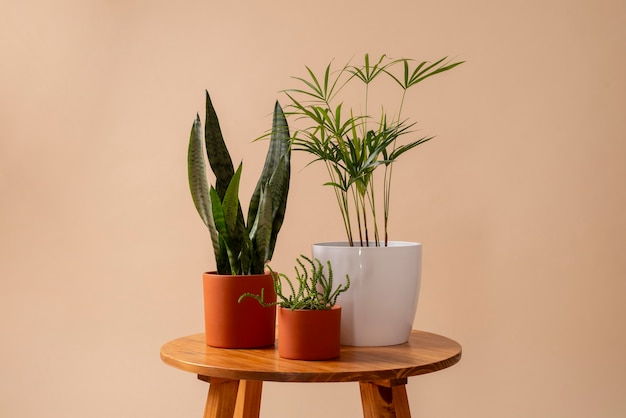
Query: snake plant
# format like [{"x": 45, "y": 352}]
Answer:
[{"x": 241, "y": 246}]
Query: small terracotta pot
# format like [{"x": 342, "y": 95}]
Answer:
[
  {"x": 305, "y": 334},
  {"x": 230, "y": 324}
]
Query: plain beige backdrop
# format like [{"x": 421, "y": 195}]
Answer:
[{"x": 520, "y": 201}]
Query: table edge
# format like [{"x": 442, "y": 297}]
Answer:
[{"x": 346, "y": 376}]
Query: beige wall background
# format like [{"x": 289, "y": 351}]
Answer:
[{"x": 519, "y": 203}]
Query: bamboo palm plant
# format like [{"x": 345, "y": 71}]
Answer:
[
  {"x": 240, "y": 246},
  {"x": 353, "y": 145}
]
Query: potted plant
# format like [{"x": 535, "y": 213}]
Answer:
[
  {"x": 359, "y": 150},
  {"x": 241, "y": 246},
  {"x": 309, "y": 319}
]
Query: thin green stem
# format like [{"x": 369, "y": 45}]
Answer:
[
  {"x": 389, "y": 175},
  {"x": 364, "y": 210},
  {"x": 355, "y": 199},
  {"x": 370, "y": 197},
  {"x": 342, "y": 202}
]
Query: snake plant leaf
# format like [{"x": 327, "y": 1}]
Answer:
[
  {"x": 279, "y": 147},
  {"x": 197, "y": 172},
  {"x": 246, "y": 257},
  {"x": 219, "y": 157},
  {"x": 263, "y": 234},
  {"x": 279, "y": 186},
  {"x": 198, "y": 181},
  {"x": 227, "y": 241},
  {"x": 233, "y": 218},
  {"x": 218, "y": 213},
  {"x": 230, "y": 204}
]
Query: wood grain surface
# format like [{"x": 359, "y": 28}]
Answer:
[{"x": 423, "y": 353}]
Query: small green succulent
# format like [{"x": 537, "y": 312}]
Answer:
[{"x": 315, "y": 289}]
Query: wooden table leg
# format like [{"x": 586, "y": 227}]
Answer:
[
  {"x": 385, "y": 399},
  {"x": 249, "y": 399},
  {"x": 232, "y": 398},
  {"x": 220, "y": 402}
]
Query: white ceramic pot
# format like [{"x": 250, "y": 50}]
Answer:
[{"x": 379, "y": 308}]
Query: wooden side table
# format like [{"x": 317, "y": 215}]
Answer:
[{"x": 236, "y": 376}]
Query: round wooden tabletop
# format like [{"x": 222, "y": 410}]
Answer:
[{"x": 423, "y": 353}]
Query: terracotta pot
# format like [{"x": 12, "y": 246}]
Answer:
[
  {"x": 305, "y": 334},
  {"x": 230, "y": 324}
]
